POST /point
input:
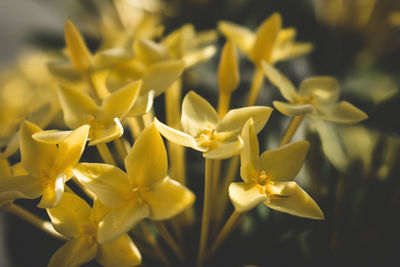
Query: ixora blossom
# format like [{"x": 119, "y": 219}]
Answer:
[
  {"x": 270, "y": 43},
  {"x": 203, "y": 131},
  {"x": 104, "y": 120},
  {"x": 145, "y": 191},
  {"x": 48, "y": 165},
  {"x": 74, "y": 218},
  {"x": 317, "y": 97},
  {"x": 268, "y": 178}
]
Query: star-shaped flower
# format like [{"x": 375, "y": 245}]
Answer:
[
  {"x": 74, "y": 218},
  {"x": 205, "y": 132},
  {"x": 268, "y": 178},
  {"x": 316, "y": 97},
  {"x": 144, "y": 191},
  {"x": 48, "y": 165}
]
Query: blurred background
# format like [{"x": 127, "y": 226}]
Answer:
[{"x": 353, "y": 172}]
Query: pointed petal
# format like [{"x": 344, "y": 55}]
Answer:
[
  {"x": 245, "y": 196},
  {"x": 99, "y": 211},
  {"x": 63, "y": 71},
  {"x": 167, "y": 199},
  {"x": 235, "y": 119},
  {"x": 109, "y": 183},
  {"x": 12, "y": 146},
  {"x": 50, "y": 136},
  {"x": 53, "y": 192},
  {"x": 143, "y": 104},
  {"x": 110, "y": 57},
  {"x": 73, "y": 253},
  {"x": 149, "y": 52},
  {"x": 197, "y": 114},
  {"x": 144, "y": 168},
  {"x": 291, "y": 109},
  {"x": 35, "y": 156},
  {"x": 176, "y": 136},
  {"x": 291, "y": 51},
  {"x": 224, "y": 150},
  {"x": 104, "y": 133},
  {"x": 249, "y": 156},
  {"x": 78, "y": 52},
  {"x": 161, "y": 75},
  {"x": 20, "y": 187},
  {"x": 342, "y": 112},
  {"x": 285, "y": 162},
  {"x": 285, "y": 86},
  {"x": 266, "y": 37},
  {"x": 121, "y": 252},
  {"x": 70, "y": 215},
  {"x": 297, "y": 202},
  {"x": 194, "y": 57},
  {"x": 243, "y": 37},
  {"x": 78, "y": 108},
  {"x": 324, "y": 89},
  {"x": 228, "y": 71},
  {"x": 121, "y": 220}
]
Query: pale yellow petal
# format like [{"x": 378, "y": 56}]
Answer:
[
  {"x": 176, "y": 136},
  {"x": 99, "y": 211},
  {"x": 194, "y": 57},
  {"x": 120, "y": 220},
  {"x": 70, "y": 215},
  {"x": 74, "y": 253},
  {"x": 50, "y": 136},
  {"x": 12, "y": 146},
  {"x": 266, "y": 37},
  {"x": 167, "y": 198},
  {"x": 342, "y": 112},
  {"x": 292, "y": 109},
  {"x": 245, "y": 196},
  {"x": 64, "y": 71},
  {"x": 121, "y": 252},
  {"x": 78, "y": 52},
  {"x": 197, "y": 114},
  {"x": 243, "y": 37},
  {"x": 78, "y": 108},
  {"x": 5, "y": 168},
  {"x": 249, "y": 156},
  {"x": 146, "y": 163},
  {"x": 290, "y": 51},
  {"x": 323, "y": 89},
  {"x": 285, "y": 162},
  {"x": 104, "y": 133},
  {"x": 228, "y": 71},
  {"x": 285, "y": 86},
  {"x": 235, "y": 119},
  {"x": 26, "y": 186},
  {"x": 225, "y": 150},
  {"x": 111, "y": 57},
  {"x": 294, "y": 201},
  {"x": 149, "y": 52},
  {"x": 53, "y": 192},
  {"x": 109, "y": 183},
  {"x": 142, "y": 105}
]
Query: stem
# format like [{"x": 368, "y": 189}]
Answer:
[
  {"x": 291, "y": 130},
  {"x": 205, "y": 222},
  {"x": 164, "y": 233},
  {"x": 120, "y": 149},
  {"x": 229, "y": 226},
  {"x": 258, "y": 78},
  {"x": 223, "y": 104},
  {"x": 136, "y": 126},
  {"x": 43, "y": 225},
  {"x": 105, "y": 154},
  {"x": 215, "y": 191}
]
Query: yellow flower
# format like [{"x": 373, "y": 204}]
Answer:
[
  {"x": 104, "y": 120},
  {"x": 268, "y": 178},
  {"x": 203, "y": 131},
  {"x": 317, "y": 97},
  {"x": 145, "y": 191},
  {"x": 74, "y": 218},
  {"x": 270, "y": 43},
  {"x": 48, "y": 165}
]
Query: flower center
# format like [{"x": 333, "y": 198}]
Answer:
[
  {"x": 137, "y": 193},
  {"x": 266, "y": 187},
  {"x": 89, "y": 230},
  {"x": 207, "y": 138}
]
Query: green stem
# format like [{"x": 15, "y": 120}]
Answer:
[
  {"x": 291, "y": 130},
  {"x": 165, "y": 234}
]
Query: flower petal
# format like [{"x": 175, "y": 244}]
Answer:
[
  {"x": 291, "y": 109},
  {"x": 296, "y": 201},
  {"x": 121, "y": 252},
  {"x": 285, "y": 162},
  {"x": 50, "y": 136},
  {"x": 285, "y": 86},
  {"x": 228, "y": 71},
  {"x": 249, "y": 156},
  {"x": 78, "y": 108},
  {"x": 342, "y": 112},
  {"x": 53, "y": 192},
  {"x": 109, "y": 183},
  {"x": 149, "y": 52},
  {"x": 197, "y": 114},
  {"x": 324, "y": 89},
  {"x": 168, "y": 198},
  {"x": 242, "y": 36},
  {"x": 176, "y": 136},
  {"x": 235, "y": 119},
  {"x": 143, "y": 104},
  {"x": 245, "y": 196},
  {"x": 194, "y": 57},
  {"x": 73, "y": 253},
  {"x": 70, "y": 215},
  {"x": 120, "y": 220},
  {"x": 104, "y": 133},
  {"x": 224, "y": 150},
  {"x": 25, "y": 186},
  {"x": 146, "y": 163}
]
